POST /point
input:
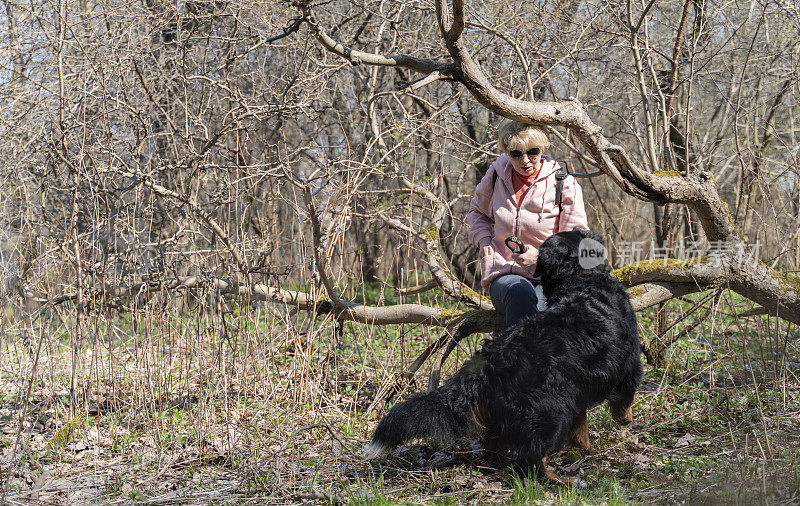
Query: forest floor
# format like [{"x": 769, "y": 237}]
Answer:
[{"x": 260, "y": 405}]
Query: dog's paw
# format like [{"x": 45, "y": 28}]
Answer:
[
  {"x": 374, "y": 451},
  {"x": 558, "y": 480},
  {"x": 621, "y": 414},
  {"x": 625, "y": 418},
  {"x": 582, "y": 443}
]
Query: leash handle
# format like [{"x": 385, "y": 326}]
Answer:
[{"x": 514, "y": 244}]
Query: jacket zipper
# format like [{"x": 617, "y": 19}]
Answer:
[
  {"x": 516, "y": 218},
  {"x": 516, "y": 228}
]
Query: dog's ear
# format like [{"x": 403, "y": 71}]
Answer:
[
  {"x": 546, "y": 252},
  {"x": 554, "y": 248},
  {"x": 537, "y": 273},
  {"x": 572, "y": 240},
  {"x": 590, "y": 234}
]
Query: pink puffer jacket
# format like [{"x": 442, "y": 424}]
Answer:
[{"x": 493, "y": 213}]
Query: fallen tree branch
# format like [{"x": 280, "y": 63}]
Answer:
[
  {"x": 349, "y": 311},
  {"x": 470, "y": 324},
  {"x": 464, "y": 330},
  {"x": 647, "y": 286},
  {"x": 449, "y": 283},
  {"x": 662, "y": 279},
  {"x": 701, "y": 272}
]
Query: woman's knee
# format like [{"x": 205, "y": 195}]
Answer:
[{"x": 521, "y": 290}]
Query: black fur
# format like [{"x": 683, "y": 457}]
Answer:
[{"x": 526, "y": 389}]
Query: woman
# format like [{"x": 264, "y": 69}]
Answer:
[{"x": 520, "y": 201}]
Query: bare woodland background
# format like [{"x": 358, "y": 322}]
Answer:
[
  {"x": 156, "y": 154},
  {"x": 193, "y": 97}
]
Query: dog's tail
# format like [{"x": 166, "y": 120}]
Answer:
[{"x": 442, "y": 414}]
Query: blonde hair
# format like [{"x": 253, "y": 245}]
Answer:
[{"x": 516, "y": 135}]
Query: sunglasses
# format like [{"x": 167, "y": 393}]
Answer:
[{"x": 531, "y": 152}]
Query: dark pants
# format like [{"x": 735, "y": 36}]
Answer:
[{"x": 513, "y": 296}]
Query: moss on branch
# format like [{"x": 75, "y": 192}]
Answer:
[
  {"x": 675, "y": 173},
  {"x": 458, "y": 316},
  {"x": 626, "y": 274},
  {"x": 787, "y": 282},
  {"x": 636, "y": 291}
]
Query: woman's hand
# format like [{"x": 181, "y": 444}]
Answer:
[
  {"x": 485, "y": 247},
  {"x": 527, "y": 258}
]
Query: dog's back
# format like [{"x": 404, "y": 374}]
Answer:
[
  {"x": 587, "y": 337},
  {"x": 594, "y": 318}
]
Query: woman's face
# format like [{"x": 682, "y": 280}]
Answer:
[{"x": 526, "y": 160}]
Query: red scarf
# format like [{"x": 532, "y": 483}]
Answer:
[{"x": 522, "y": 183}]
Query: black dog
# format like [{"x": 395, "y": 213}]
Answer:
[{"x": 528, "y": 389}]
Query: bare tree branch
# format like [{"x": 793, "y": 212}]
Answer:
[{"x": 356, "y": 57}]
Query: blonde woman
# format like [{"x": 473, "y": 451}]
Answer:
[{"x": 520, "y": 201}]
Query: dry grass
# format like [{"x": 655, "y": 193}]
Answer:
[{"x": 255, "y": 404}]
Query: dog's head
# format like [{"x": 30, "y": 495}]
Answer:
[{"x": 567, "y": 254}]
